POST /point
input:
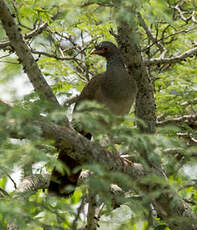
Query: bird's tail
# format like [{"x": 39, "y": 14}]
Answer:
[{"x": 63, "y": 182}]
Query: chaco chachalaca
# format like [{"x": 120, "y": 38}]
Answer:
[{"x": 115, "y": 89}]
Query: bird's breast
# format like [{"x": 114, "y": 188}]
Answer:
[{"x": 117, "y": 105}]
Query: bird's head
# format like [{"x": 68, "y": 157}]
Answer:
[{"x": 105, "y": 49}]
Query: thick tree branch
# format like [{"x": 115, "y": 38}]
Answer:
[
  {"x": 31, "y": 184},
  {"x": 145, "y": 104},
  {"x": 87, "y": 151},
  {"x": 24, "y": 53}
]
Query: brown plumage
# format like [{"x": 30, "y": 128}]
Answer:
[{"x": 115, "y": 89}]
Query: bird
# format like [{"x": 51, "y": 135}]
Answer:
[{"x": 116, "y": 90}]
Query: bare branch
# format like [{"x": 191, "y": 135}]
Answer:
[
  {"x": 186, "y": 119},
  {"x": 36, "y": 31},
  {"x": 3, "y": 193},
  {"x": 17, "y": 16},
  {"x": 52, "y": 55},
  {"x": 149, "y": 34},
  {"x": 186, "y": 54},
  {"x": 181, "y": 12},
  {"x": 172, "y": 35},
  {"x": 14, "y": 183},
  {"x": 33, "y": 33},
  {"x": 189, "y": 138},
  {"x": 193, "y": 17}
]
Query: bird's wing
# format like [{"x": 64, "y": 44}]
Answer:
[{"x": 90, "y": 91}]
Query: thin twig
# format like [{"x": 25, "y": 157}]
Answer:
[
  {"x": 149, "y": 34},
  {"x": 79, "y": 211},
  {"x": 178, "y": 120},
  {"x": 33, "y": 33}
]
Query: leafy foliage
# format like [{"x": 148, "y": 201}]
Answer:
[{"x": 62, "y": 51}]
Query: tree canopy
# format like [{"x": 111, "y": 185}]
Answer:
[{"x": 139, "y": 170}]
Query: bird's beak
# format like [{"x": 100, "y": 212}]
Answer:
[
  {"x": 99, "y": 51},
  {"x": 93, "y": 51}
]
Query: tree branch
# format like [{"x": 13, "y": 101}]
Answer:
[
  {"x": 145, "y": 103},
  {"x": 52, "y": 55},
  {"x": 182, "y": 13},
  {"x": 188, "y": 119},
  {"x": 33, "y": 33},
  {"x": 24, "y": 53},
  {"x": 149, "y": 34},
  {"x": 31, "y": 184},
  {"x": 186, "y": 54}
]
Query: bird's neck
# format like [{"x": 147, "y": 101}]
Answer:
[
  {"x": 115, "y": 62},
  {"x": 116, "y": 83}
]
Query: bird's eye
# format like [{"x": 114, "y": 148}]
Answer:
[{"x": 106, "y": 49}]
